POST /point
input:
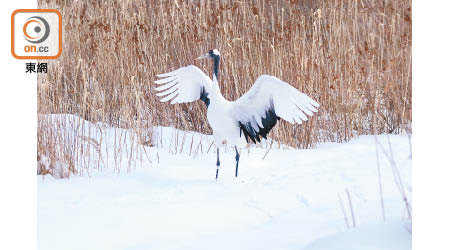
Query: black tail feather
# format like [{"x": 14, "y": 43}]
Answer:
[{"x": 268, "y": 123}]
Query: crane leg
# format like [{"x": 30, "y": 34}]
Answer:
[
  {"x": 217, "y": 164},
  {"x": 237, "y": 160}
]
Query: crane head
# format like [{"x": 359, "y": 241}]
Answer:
[{"x": 214, "y": 53}]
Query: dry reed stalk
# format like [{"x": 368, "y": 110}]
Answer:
[
  {"x": 380, "y": 186},
  {"x": 397, "y": 177},
  {"x": 341, "y": 204},
  {"x": 351, "y": 207}
]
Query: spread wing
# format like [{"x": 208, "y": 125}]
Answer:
[
  {"x": 268, "y": 100},
  {"x": 186, "y": 84}
]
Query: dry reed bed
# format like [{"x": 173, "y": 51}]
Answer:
[{"x": 353, "y": 57}]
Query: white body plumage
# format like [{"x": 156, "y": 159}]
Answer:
[{"x": 219, "y": 115}]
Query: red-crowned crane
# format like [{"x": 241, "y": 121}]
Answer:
[{"x": 251, "y": 116}]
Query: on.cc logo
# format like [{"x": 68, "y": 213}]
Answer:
[{"x": 36, "y": 34}]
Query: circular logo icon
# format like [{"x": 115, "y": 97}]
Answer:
[{"x": 36, "y": 29}]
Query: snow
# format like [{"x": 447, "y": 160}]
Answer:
[
  {"x": 288, "y": 200},
  {"x": 387, "y": 236}
]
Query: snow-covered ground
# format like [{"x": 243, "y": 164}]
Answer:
[{"x": 288, "y": 200}]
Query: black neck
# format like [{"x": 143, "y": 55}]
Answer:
[{"x": 216, "y": 66}]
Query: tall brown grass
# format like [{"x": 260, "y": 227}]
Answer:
[{"x": 352, "y": 56}]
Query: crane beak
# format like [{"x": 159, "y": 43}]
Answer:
[{"x": 206, "y": 55}]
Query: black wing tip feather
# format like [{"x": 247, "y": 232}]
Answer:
[
  {"x": 268, "y": 123},
  {"x": 204, "y": 96}
]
